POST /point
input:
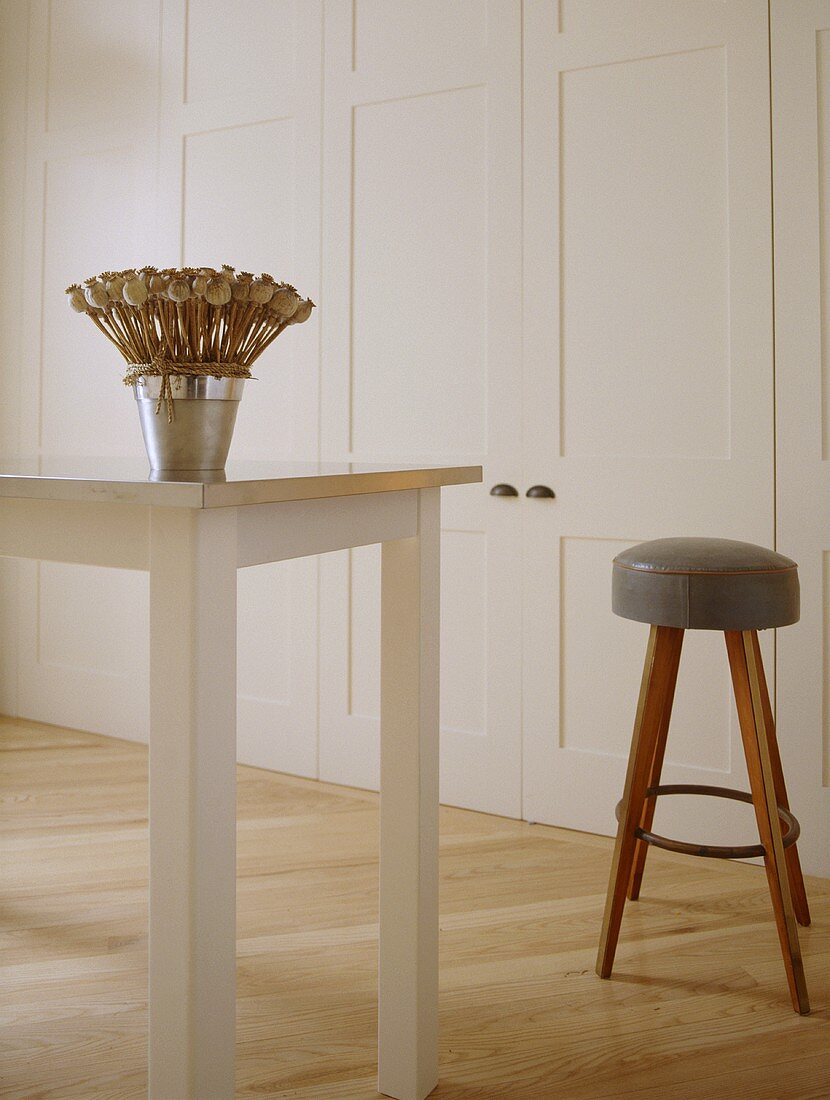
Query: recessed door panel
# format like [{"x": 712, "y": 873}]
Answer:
[
  {"x": 234, "y": 49},
  {"x": 644, "y": 257}
]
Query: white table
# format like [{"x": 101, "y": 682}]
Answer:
[{"x": 192, "y": 536}]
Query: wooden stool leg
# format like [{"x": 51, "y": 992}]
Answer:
[
  {"x": 662, "y": 655},
  {"x": 748, "y": 697},
  {"x": 650, "y": 804},
  {"x": 799, "y": 894}
]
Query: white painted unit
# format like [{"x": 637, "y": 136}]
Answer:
[
  {"x": 91, "y": 104},
  {"x": 539, "y": 235},
  {"x": 421, "y": 359},
  {"x": 171, "y": 142},
  {"x": 648, "y": 372},
  {"x": 239, "y": 183},
  {"x": 801, "y": 188}
]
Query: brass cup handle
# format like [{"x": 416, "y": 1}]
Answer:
[
  {"x": 502, "y": 490},
  {"x": 541, "y": 491}
]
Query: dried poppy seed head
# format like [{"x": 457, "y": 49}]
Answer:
[
  {"x": 240, "y": 289},
  {"x": 302, "y": 313},
  {"x": 76, "y": 298},
  {"x": 96, "y": 295},
  {"x": 218, "y": 292},
  {"x": 115, "y": 288},
  {"x": 261, "y": 292},
  {"x": 178, "y": 290},
  {"x": 135, "y": 292},
  {"x": 284, "y": 302}
]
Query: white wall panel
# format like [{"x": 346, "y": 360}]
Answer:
[
  {"x": 94, "y": 220},
  {"x": 464, "y": 630},
  {"x": 247, "y": 218},
  {"x": 364, "y": 632},
  {"x": 264, "y": 632},
  {"x": 233, "y": 49},
  {"x": 277, "y": 623},
  {"x": 419, "y": 275},
  {"x": 415, "y": 35},
  {"x": 614, "y": 19},
  {"x": 102, "y": 62},
  {"x": 645, "y": 345},
  {"x": 239, "y": 196},
  {"x": 83, "y": 648},
  {"x": 67, "y": 596}
]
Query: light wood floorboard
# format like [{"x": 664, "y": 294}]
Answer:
[{"x": 697, "y": 1009}]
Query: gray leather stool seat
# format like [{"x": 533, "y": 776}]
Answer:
[{"x": 705, "y": 584}]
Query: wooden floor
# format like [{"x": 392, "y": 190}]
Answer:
[{"x": 698, "y": 1006}]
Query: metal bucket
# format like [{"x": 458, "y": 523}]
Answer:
[{"x": 200, "y": 434}]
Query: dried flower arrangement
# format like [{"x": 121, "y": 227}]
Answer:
[{"x": 188, "y": 321}]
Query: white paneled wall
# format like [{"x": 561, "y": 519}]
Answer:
[
  {"x": 158, "y": 133},
  {"x": 214, "y": 150},
  {"x": 539, "y": 235}
]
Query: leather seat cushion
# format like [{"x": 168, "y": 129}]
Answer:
[{"x": 705, "y": 584}]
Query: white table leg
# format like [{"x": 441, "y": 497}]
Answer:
[
  {"x": 192, "y": 804},
  {"x": 408, "y": 979}
]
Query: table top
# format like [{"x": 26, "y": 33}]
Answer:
[{"x": 129, "y": 481}]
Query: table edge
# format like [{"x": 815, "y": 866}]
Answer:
[{"x": 199, "y": 495}]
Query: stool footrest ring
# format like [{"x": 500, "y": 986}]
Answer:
[{"x": 712, "y": 851}]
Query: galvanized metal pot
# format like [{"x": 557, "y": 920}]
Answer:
[{"x": 199, "y": 436}]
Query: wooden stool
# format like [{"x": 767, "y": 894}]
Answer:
[{"x": 707, "y": 584}]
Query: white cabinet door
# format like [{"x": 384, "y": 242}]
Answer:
[
  {"x": 801, "y": 186},
  {"x": 92, "y": 105},
  {"x": 422, "y": 358},
  {"x": 240, "y": 184},
  {"x": 648, "y": 371},
  {"x": 224, "y": 167}
]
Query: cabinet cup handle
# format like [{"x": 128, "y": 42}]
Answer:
[
  {"x": 502, "y": 490},
  {"x": 540, "y": 491}
]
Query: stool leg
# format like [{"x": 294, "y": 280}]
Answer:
[
  {"x": 662, "y": 656},
  {"x": 799, "y": 894},
  {"x": 747, "y": 687},
  {"x": 650, "y": 804}
]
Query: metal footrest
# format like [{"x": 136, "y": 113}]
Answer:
[{"x": 713, "y": 851}]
